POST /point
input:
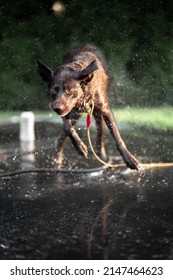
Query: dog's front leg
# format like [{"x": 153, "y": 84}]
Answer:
[
  {"x": 128, "y": 158},
  {"x": 60, "y": 149},
  {"x": 72, "y": 133}
]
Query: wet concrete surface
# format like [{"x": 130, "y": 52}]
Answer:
[{"x": 106, "y": 214}]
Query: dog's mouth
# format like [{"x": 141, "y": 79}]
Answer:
[{"x": 59, "y": 111}]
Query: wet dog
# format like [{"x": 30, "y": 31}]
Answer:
[{"x": 83, "y": 77}]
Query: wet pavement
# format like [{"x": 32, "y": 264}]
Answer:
[{"x": 104, "y": 214}]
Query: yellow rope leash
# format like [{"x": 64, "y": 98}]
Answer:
[
  {"x": 96, "y": 156},
  {"x": 90, "y": 109},
  {"x": 157, "y": 164}
]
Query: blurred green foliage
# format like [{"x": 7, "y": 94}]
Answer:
[{"x": 135, "y": 36}]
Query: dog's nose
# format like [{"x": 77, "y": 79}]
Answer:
[{"x": 58, "y": 107}]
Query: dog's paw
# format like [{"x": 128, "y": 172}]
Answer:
[
  {"x": 83, "y": 150},
  {"x": 131, "y": 161},
  {"x": 57, "y": 163}
]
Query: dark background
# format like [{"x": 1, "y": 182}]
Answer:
[{"x": 135, "y": 36}]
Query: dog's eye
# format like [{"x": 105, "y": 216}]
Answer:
[
  {"x": 69, "y": 90},
  {"x": 54, "y": 90}
]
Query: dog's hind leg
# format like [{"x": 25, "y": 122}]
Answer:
[
  {"x": 128, "y": 158},
  {"x": 100, "y": 134}
]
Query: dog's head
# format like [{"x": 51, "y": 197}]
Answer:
[{"x": 65, "y": 85}]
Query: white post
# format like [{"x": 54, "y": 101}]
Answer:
[
  {"x": 27, "y": 124},
  {"x": 27, "y": 138}
]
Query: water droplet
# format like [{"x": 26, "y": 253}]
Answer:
[{"x": 14, "y": 158}]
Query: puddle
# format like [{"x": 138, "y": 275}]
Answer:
[{"x": 105, "y": 214}]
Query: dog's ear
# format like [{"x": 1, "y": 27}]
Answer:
[
  {"x": 44, "y": 71},
  {"x": 87, "y": 74}
]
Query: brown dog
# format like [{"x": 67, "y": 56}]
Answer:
[{"x": 82, "y": 77}]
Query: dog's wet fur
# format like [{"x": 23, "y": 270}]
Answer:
[{"x": 83, "y": 76}]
